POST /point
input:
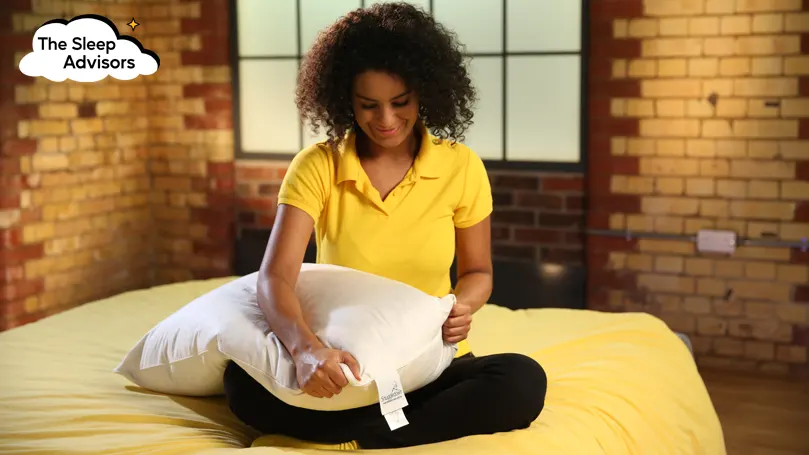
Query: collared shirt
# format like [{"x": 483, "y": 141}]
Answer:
[{"x": 409, "y": 236}]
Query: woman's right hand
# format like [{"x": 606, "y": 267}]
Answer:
[{"x": 319, "y": 374}]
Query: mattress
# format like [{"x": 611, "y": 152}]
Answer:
[{"x": 618, "y": 384}]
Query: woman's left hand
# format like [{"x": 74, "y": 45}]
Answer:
[{"x": 456, "y": 328}]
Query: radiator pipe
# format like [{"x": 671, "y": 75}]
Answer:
[{"x": 802, "y": 244}]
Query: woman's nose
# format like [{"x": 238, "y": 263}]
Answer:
[{"x": 387, "y": 116}]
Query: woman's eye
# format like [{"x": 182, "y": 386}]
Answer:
[{"x": 374, "y": 106}]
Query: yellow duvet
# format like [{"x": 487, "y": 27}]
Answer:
[{"x": 618, "y": 384}]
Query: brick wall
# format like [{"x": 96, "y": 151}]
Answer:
[
  {"x": 119, "y": 184},
  {"x": 538, "y": 216},
  {"x": 700, "y": 120}
]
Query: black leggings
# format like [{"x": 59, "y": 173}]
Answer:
[{"x": 475, "y": 395}]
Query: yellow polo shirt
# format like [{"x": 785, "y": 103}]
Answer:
[{"x": 408, "y": 237}]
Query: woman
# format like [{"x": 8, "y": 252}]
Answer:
[{"x": 386, "y": 196}]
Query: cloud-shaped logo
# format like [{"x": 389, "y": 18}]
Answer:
[{"x": 87, "y": 48}]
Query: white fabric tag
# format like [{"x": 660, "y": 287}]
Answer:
[
  {"x": 396, "y": 419},
  {"x": 391, "y": 393}
]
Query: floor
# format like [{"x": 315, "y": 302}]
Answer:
[{"x": 761, "y": 416}]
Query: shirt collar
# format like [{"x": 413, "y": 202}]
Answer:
[{"x": 426, "y": 165}]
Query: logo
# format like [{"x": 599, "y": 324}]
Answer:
[
  {"x": 88, "y": 48},
  {"x": 395, "y": 394}
]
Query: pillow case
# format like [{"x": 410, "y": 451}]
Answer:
[{"x": 391, "y": 328}]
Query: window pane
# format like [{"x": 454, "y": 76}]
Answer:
[
  {"x": 267, "y": 27},
  {"x": 267, "y": 111},
  {"x": 485, "y": 136},
  {"x": 543, "y": 108},
  {"x": 479, "y": 23},
  {"x": 423, "y": 4},
  {"x": 319, "y": 14},
  {"x": 543, "y": 25}
]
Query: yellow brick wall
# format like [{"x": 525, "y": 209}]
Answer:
[
  {"x": 721, "y": 142},
  {"x": 115, "y": 179}
]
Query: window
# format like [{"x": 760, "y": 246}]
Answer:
[{"x": 525, "y": 57}]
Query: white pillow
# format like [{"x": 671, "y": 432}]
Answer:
[{"x": 392, "y": 329}]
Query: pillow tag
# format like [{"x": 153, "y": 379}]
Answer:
[
  {"x": 396, "y": 419},
  {"x": 391, "y": 398}
]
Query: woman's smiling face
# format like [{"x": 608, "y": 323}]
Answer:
[{"x": 384, "y": 107}]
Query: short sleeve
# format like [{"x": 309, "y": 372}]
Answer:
[
  {"x": 476, "y": 199},
  {"x": 307, "y": 182}
]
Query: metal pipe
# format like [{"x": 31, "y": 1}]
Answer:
[
  {"x": 640, "y": 235},
  {"x": 802, "y": 244}
]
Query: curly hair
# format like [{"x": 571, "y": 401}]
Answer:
[{"x": 396, "y": 38}]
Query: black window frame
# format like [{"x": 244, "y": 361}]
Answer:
[{"x": 491, "y": 164}]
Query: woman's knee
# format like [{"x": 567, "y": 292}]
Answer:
[
  {"x": 233, "y": 383},
  {"x": 239, "y": 393},
  {"x": 526, "y": 384}
]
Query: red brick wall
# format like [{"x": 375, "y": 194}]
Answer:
[
  {"x": 13, "y": 285},
  {"x": 257, "y": 184},
  {"x": 603, "y": 130},
  {"x": 538, "y": 216}
]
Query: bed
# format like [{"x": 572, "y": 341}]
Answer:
[{"x": 618, "y": 384}]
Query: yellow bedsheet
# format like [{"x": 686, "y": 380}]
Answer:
[{"x": 619, "y": 384}]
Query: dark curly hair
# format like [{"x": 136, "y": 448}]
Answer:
[{"x": 396, "y": 38}]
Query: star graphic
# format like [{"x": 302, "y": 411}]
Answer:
[{"x": 133, "y": 23}]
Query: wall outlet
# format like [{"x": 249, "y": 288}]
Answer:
[{"x": 714, "y": 241}]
